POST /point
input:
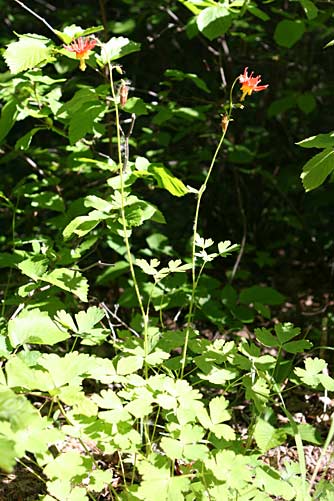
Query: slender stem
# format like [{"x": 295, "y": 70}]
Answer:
[
  {"x": 244, "y": 226},
  {"x": 201, "y": 191},
  {"x": 329, "y": 438},
  {"x": 37, "y": 16},
  {"x": 123, "y": 218}
]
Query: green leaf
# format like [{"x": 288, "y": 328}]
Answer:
[
  {"x": 258, "y": 12},
  {"x": 68, "y": 280},
  {"x": 329, "y": 44},
  {"x": 34, "y": 327},
  {"x": 139, "y": 408},
  {"x": 24, "y": 142},
  {"x": 220, "y": 376},
  {"x": 89, "y": 31},
  {"x": 264, "y": 295},
  {"x": 20, "y": 375},
  {"x": 129, "y": 365},
  {"x": 61, "y": 489},
  {"x": 142, "y": 211},
  {"x": 280, "y": 106},
  {"x": 286, "y": 331},
  {"x": 317, "y": 169},
  {"x": 83, "y": 121},
  {"x": 307, "y": 432},
  {"x": 270, "y": 481},
  {"x": 168, "y": 181},
  {"x": 70, "y": 369},
  {"x": 226, "y": 466},
  {"x": 214, "y": 21},
  {"x": 157, "y": 357},
  {"x": 180, "y": 76},
  {"x": 306, "y": 102},
  {"x": 116, "y": 48},
  {"x": 191, "y": 6},
  {"x": 173, "y": 448},
  {"x": 265, "y": 337},
  {"x": 297, "y": 346},
  {"x": 69, "y": 33},
  {"x": 262, "y": 310},
  {"x": 257, "y": 391},
  {"x": 156, "y": 478},
  {"x": 30, "y": 51},
  {"x": 83, "y": 111},
  {"x": 34, "y": 267},
  {"x": 47, "y": 200},
  {"x": 86, "y": 320},
  {"x": 287, "y": 32},
  {"x": 110, "y": 274},
  {"x": 7, "y": 454},
  {"x": 73, "y": 396},
  {"x": 65, "y": 320},
  {"x": 313, "y": 368},
  {"x": 311, "y": 10},
  {"x": 65, "y": 466},
  {"x": 266, "y": 436},
  {"x": 319, "y": 141},
  {"x": 326, "y": 381},
  {"x": 82, "y": 225},
  {"x": 225, "y": 248},
  {"x": 136, "y": 105},
  {"x": 8, "y": 117}
]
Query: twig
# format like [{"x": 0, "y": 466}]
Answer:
[
  {"x": 114, "y": 315},
  {"x": 97, "y": 263},
  {"x": 18, "y": 310},
  {"x": 104, "y": 18},
  {"x": 37, "y": 16},
  {"x": 47, "y": 4}
]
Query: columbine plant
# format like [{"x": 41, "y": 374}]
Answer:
[{"x": 249, "y": 84}]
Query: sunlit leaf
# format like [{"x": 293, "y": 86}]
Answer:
[
  {"x": 68, "y": 280},
  {"x": 30, "y": 51},
  {"x": 34, "y": 327},
  {"x": 214, "y": 21},
  {"x": 116, "y": 48},
  {"x": 317, "y": 169}
]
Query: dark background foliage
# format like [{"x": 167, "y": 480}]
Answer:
[{"x": 255, "y": 192}]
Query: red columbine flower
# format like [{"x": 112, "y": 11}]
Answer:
[
  {"x": 250, "y": 84},
  {"x": 81, "y": 47}
]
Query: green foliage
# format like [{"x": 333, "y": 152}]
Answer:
[{"x": 134, "y": 360}]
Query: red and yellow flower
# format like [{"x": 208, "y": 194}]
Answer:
[
  {"x": 250, "y": 84},
  {"x": 81, "y": 46}
]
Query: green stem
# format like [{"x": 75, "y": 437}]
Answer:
[
  {"x": 195, "y": 226},
  {"x": 124, "y": 222}
]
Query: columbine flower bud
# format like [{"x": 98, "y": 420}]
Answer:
[{"x": 123, "y": 94}]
